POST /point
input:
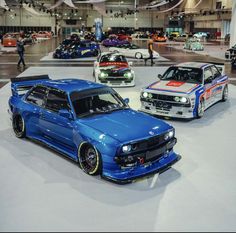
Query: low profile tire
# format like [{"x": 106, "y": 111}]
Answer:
[
  {"x": 138, "y": 56},
  {"x": 90, "y": 160},
  {"x": 18, "y": 126},
  {"x": 95, "y": 53},
  {"x": 225, "y": 94},
  {"x": 200, "y": 109},
  {"x": 74, "y": 55}
]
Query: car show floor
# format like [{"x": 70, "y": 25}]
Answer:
[
  {"x": 34, "y": 53},
  {"x": 215, "y": 51},
  {"x": 43, "y": 191}
]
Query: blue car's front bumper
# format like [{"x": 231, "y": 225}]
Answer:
[{"x": 131, "y": 174}]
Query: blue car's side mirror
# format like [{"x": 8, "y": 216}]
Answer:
[
  {"x": 126, "y": 100},
  {"x": 65, "y": 113}
]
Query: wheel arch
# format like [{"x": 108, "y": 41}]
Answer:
[{"x": 99, "y": 166}]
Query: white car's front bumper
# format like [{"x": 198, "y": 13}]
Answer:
[
  {"x": 117, "y": 83},
  {"x": 174, "y": 111}
]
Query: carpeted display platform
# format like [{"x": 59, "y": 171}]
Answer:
[{"x": 42, "y": 191}]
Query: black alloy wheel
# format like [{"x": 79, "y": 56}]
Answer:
[{"x": 90, "y": 160}]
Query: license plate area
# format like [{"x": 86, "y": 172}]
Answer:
[
  {"x": 163, "y": 106},
  {"x": 155, "y": 154}
]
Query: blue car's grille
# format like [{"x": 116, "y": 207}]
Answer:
[{"x": 147, "y": 151}]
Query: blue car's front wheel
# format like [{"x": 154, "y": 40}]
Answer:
[{"x": 90, "y": 159}]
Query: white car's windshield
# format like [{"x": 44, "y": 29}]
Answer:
[
  {"x": 113, "y": 58},
  {"x": 133, "y": 46},
  {"x": 183, "y": 74}
]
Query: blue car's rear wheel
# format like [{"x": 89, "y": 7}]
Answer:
[
  {"x": 18, "y": 125},
  {"x": 90, "y": 160}
]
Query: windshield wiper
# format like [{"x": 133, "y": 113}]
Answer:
[
  {"x": 117, "y": 109},
  {"x": 103, "y": 111},
  {"x": 92, "y": 113}
]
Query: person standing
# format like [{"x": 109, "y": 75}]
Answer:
[
  {"x": 21, "y": 50},
  {"x": 150, "y": 51}
]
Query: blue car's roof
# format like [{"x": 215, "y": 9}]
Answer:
[{"x": 71, "y": 85}]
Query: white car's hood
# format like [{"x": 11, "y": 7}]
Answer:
[{"x": 174, "y": 86}]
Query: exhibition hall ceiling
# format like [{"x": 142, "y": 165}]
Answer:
[
  {"x": 121, "y": 8},
  {"x": 144, "y": 4}
]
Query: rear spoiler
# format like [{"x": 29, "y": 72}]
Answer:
[
  {"x": 220, "y": 66},
  {"x": 19, "y": 86}
]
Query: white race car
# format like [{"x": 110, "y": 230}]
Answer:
[
  {"x": 114, "y": 70},
  {"x": 186, "y": 90},
  {"x": 133, "y": 51}
]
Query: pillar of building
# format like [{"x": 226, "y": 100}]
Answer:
[{"x": 233, "y": 23}]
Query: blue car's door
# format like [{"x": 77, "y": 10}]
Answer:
[
  {"x": 57, "y": 128},
  {"x": 34, "y": 102},
  {"x": 85, "y": 50}
]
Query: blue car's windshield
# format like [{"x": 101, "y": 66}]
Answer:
[
  {"x": 97, "y": 103},
  {"x": 183, "y": 74}
]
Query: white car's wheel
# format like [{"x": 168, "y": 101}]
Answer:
[
  {"x": 225, "y": 94},
  {"x": 200, "y": 109},
  {"x": 138, "y": 56}
]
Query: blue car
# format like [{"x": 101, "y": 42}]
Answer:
[
  {"x": 77, "y": 49},
  {"x": 92, "y": 125}
]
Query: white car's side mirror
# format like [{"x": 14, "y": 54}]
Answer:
[{"x": 159, "y": 76}]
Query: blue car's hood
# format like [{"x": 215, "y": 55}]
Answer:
[{"x": 126, "y": 125}]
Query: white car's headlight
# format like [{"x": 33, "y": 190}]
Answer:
[
  {"x": 126, "y": 148},
  {"x": 145, "y": 94},
  {"x": 177, "y": 99},
  {"x": 183, "y": 100},
  {"x": 128, "y": 75},
  {"x": 103, "y": 75}
]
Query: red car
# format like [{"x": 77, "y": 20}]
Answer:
[
  {"x": 10, "y": 39},
  {"x": 124, "y": 37},
  {"x": 43, "y": 34},
  {"x": 159, "y": 38}
]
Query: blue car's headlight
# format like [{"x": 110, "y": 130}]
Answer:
[
  {"x": 170, "y": 134},
  {"x": 126, "y": 148}
]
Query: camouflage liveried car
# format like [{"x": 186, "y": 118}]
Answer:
[{"x": 194, "y": 45}]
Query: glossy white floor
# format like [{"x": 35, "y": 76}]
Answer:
[{"x": 42, "y": 191}]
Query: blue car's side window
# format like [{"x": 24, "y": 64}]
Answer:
[
  {"x": 37, "y": 96},
  {"x": 57, "y": 101}
]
